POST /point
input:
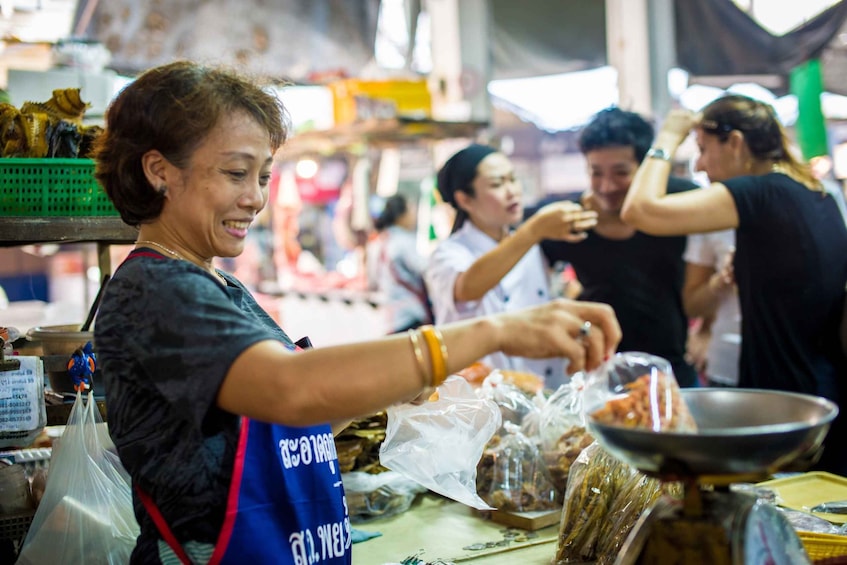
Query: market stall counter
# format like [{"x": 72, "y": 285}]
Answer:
[{"x": 438, "y": 530}]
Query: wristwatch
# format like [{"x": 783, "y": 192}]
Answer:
[{"x": 658, "y": 153}]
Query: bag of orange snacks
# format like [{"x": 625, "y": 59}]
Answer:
[{"x": 637, "y": 390}]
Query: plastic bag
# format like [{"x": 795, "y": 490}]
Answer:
[
  {"x": 638, "y": 494},
  {"x": 512, "y": 476},
  {"x": 515, "y": 404},
  {"x": 637, "y": 390},
  {"x": 438, "y": 443},
  {"x": 86, "y": 513},
  {"x": 805, "y": 522},
  {"x": 562, "y": 431},
  {"x": 562, "y": 411},
  {"x": 378, "y": 496},
  {"x": 595, "y": 479}
]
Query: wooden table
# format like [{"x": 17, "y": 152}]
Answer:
[{"x": 438, "y": 528}]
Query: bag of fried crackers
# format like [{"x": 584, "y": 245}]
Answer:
[{"x": 637, "y": 390}]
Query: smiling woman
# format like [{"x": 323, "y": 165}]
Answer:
[{"x": 225, "y": 431}]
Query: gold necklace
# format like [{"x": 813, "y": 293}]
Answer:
[
  {"x": 162, "y": 247},
  {"x": 175, "y": 254}
]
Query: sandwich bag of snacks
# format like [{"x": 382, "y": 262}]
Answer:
[
  {"x": 562, "y": 431},
  {"x": 636, "y": 390},
  {"x": 512, "y": 476}
]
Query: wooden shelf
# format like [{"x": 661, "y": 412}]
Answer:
[
  {"x": 43, "y": 229},
  {"x": 376, "y": 133}
]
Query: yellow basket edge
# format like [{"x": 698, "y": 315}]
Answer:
[{"x": 820, "y": 546}]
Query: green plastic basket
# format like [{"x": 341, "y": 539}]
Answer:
[{"x": 51, "y": 187}]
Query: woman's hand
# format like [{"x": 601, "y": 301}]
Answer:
[
  {"x": 676, "y": 127},
  {"x": 556, "y": 329},
  {"x": 563, "y": 220}
]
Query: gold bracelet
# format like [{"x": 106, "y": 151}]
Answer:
[
  {"x": 437, "y": 353},
  {"x": 416, "y": 346}
]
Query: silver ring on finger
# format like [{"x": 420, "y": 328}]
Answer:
[{"x": 584, "y": 330}]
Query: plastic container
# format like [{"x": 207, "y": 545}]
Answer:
[
  {"x": 60, "y": 340},
  {"x": 51, "y": 187},
  {"x": 15, "y": 526},
  {"x": 823, "y": 546}
]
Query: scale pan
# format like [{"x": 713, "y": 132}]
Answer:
[{"x": 740, "y": 431}]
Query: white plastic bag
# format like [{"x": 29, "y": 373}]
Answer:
[
  {"x": 86, "y": 513},
  {"x": 439, "y": 443}
]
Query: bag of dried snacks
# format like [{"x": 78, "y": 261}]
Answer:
[
  {"x": 637, "y": 390},
  {"x": 562, "y": 430},
  {"x": 594, "y": 480},
  {"x": 511, "y": 474}
]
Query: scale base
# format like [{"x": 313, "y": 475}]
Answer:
[
  {"x": 732, "y": 529},
  {"x": 686, "y": 541}
]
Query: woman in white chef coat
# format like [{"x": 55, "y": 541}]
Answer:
[{"x": 487, "y": 265}]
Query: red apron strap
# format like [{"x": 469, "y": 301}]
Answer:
[
  {"x": 234, "y": 492},
  {"x": 162, "y": 526}
]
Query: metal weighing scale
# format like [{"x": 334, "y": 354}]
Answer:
[{"x": 744, "y": 435}]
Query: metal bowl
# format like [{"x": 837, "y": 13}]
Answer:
[{"x": 740, "y": 431}]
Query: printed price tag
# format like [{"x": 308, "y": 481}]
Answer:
[{"x": 22, "y": 396}]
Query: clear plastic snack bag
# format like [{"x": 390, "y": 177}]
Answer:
[
  {"x": 562, "y": 430},
  {"x": 637, "y": 494},
  {"x": 595, "y": 479},
  {"x": 516, "y": 405},
  {"x": 512, "y": 476},
  {"x": 86, "y": 514},
  {"x": 637, "y": 390},
  {"x": 439, "y": 442}
]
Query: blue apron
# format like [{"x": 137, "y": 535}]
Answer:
[{"x": 286, "y": 502}]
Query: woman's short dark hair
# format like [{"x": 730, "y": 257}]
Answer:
[
  {"x": 172, "y": 109},
  {"x": 395, "y": 207},
  {"x": 614, "y": 127}
]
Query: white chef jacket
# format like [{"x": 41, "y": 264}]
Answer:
[{"x": 527, "y": 284}]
